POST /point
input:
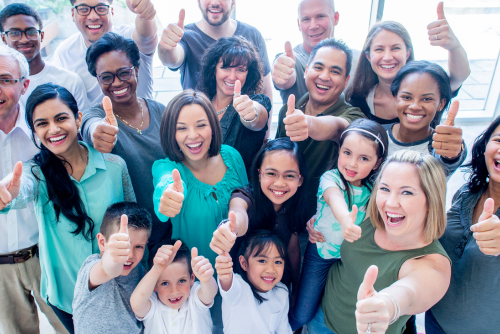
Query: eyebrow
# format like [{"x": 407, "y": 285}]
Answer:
[
  {"x": 200, "y": 120},
  {"x": 403, "y": 187},
  {"x": 14, "y": 28},
  {"x": 379, "y": 45},
  {"x": 496, "y": 134},
  {"x": 43, "y": 119},
  {"x": 287, "y": 171}
]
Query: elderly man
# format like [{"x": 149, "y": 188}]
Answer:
[
  {"x": 19, "y": 264},
  {"x": 94, "y": 18},
  {"x": 317, "y": 20}
]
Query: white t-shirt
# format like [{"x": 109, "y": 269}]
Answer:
[
  {"x": 71, "y": 53},
  {"x": 242, "y": 313},
  {"x": 192, "y": 317},
  {"x": 59, "y": 76}
]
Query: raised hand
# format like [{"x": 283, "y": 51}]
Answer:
[
  {"x": 314, "y": 236},
  {"x": 224, "y": 266},
  {"x": 371, "y": 308},
  {"x": 447, "y": 140},
  {"x": 165, "y": 255},
  {"x": 295, "y": 122},
  {"x": 173, "y": 33},
  {"x": 119, "y": 243},
  {"x": 10, "y": 185},
  {"x": 173, "y": 196},
  {"x": 225, "y": 236},
  {"x": 105, "y": 134},
  {"x": 284, "y": 68},
  {"x": 440, "y": 33},
  {"x": 202, "y": 268},
  {"x": 242, "y": 103},
  {"x": 487, "y": 230},
  {"x": 351, "y": 231},
  {"x": 144, "y": 8}
]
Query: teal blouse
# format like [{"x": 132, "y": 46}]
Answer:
[
  {"x": 204, "y": 205},
  {"x": 62, "y": 253}
]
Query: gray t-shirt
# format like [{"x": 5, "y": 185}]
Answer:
[
  {"x": 106, "y": 309},
  {"x": 139, "y": 152},
  {"x": 195, "y": 42}
]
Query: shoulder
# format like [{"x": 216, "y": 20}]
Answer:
[
  {"x": 262, "y": 99},
  {"x": 125, "y": 30},
  {"x": 244, "y": 29},
  {"x": 113, "y": 159},
  {"x": 155, "y": 106},
  {"x": 229, "y": 151},
  {"x": 281, "y": 291},
  {"x": 94, "y": 111},
  {"x": 89, "y": 262},
  {"x": 68, "y": 44}
]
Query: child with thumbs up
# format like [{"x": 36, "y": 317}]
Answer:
[
  {"x": 106, "y": 281},
  {"x": 168, "y": 299}
]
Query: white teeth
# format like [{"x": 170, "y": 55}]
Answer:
[
  {"x": 2, "y": 101},
  {"x": 215, "y": 11},
  {"x": 194, "y": 145},
  {"x": 387, "y": 66},
  {"x": 128, "y": 263},
  {"x": 279, "y": 193},
  {"x": 268, "y": 279},
  {"x": 497, "y": 161},
  {"x": 55, "y": 139},
  {"x": 228, "y": 84},
  {"x": 410, "y": 116},
  {"x": 322, "y": 87},
  {"x": 394, "y": 215},
  {"x": 118, "y": 92},
  {"x": 94, "y": 26}
]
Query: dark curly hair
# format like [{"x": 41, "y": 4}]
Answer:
[
  {"x": 19, "y": 9},
  {"x": 233, "y": 52}
]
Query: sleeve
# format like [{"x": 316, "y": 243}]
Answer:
[
  {"x": 195, "y": 298},
  {"x": 281, "y": 132},
  {"x": 80, "y": 95},
  {"x": 243, "y": 194},
  {"x": 284, "y": 324},
  {"x": 154, "y": 302},
  {"x": 128, "y": 190},
  {"x": 262, "y": 100},
  {"x": 238, "y": 164},
  {"x": 329, "y": 179},
  {"x": 162, "y": 178},
  {"x": 28, "y": 192},
  {"x": 450, "y": 165},
  {"x": 351, "y": 113},
  {"x": 91, "y": 118},
  {"x": 82, "y": 291},
  {"x": 234, "y": 295}
]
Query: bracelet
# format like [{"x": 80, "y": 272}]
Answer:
[
  {"x": 253, "y": 119},
  {"x": 397, "y": 310},
  {"x": 223, "y": 221}
]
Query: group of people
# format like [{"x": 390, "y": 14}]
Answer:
[{"x": 119, "y": 214}]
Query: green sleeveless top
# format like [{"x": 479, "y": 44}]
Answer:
[{"x": 345, "y": 277}]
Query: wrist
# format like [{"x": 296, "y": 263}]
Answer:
[
  {"x": 252, "y": 119},
  {"x": 392, "y": 307}
]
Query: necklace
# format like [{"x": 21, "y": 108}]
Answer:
[
  {"x": 139, "y": 131},
  {"x": 224, "y": 109}
]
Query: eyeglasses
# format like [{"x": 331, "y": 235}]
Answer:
[
  {"x": 16, "y": 35},
  {"x": 85, "y": 10},
  {"x": 107, "y": 78},
  {"x": 6, "y": 83},
  {"x": 288, "y": 176}
]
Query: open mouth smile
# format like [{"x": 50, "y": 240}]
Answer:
[
  {"x": 57, "y": 139},
  {"x": 394, "y": 219},
  {"x": 175, "y": 300}
]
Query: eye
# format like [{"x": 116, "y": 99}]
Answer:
[
  {"x": 164, "y": 283},
  {"x": 318, "y": 68},
  {"x": 306, "y": 19},
  {"x": 428, "y": 99},
  {"x": 365, "y": 159},
  {"x": 139, "y": 247},
  {"x": 347, "y": 153},
  {"x": 278, "y": 262},
  {"x": 242, "y": 70},
  {"x": 396, "y": 48},
  {"x": 180, "y": 128},
  {"x": 262, "y": 261},
  {"x": 291, "y": 177},
  {"x": 406, "y": 192},
  {"x": 201, "y": 125},
  {"x": 385, "y": 189},
  {"x": 271, "y": 175},
  {"x": 405, "y": 97},
  {"x": 182, "y": 281},
  {"x": 62, "y": 118},
  {"x": 39, "y": 124}
]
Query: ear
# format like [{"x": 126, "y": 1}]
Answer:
[
  {"x": 73, "y": 14},
  {"x": 26, "y": 84},
  {"x": 336, "y": 19},
  {"x": 307, "y": 69},
  {"x": 243, "y": 263},
  {"x": 42, "y": 35},
  {"x": 155, "y": 290},
  {"x": 367, "y": 55},
  {"x": 301, "y": 180},
  {"x": 79, "y": 120},
  {"x": 298, "y": 24},
  {"x": 4, "y": 40},
  {"x": 377, "y": 165},
  {"x": 441, "y": 105},
  {"x": 193, "y": 277},
  {"x": 347, "y": 81},
  {"x": 112, "y": 12},
  {"x": 408, "y": 53},
  {"x": 101, "y": 242}
]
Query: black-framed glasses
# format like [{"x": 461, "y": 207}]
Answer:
[
  {"x": 6, "y": 83},
  {"x": 272, "y": 175},
  {"x": 85, "y": 10},
  {"x": 16, "y": 35},
  {"x": 107, "y": 78}
]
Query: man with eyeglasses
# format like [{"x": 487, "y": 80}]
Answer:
[
  {"x": 20, "y": 271},
  {"x": 21, "y": 27},
  {"x": 94, "y": 18}
]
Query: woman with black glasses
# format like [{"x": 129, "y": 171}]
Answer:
[{"x": 131, "y": 128}]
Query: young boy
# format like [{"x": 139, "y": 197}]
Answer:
[
  {"x": 168, "y": 300},
  {"x": 106, "y": 281}
]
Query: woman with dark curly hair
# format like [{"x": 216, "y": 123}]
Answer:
[
  {"x": 231, "y": 77},
  {"x": 472, "y": 241}
]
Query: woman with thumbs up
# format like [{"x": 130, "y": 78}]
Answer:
[
  {"x": 231, "y": 77},
  {"x": 472, "y": 240},
  {"x": 71, "y": 185}
]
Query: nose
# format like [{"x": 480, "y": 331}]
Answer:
[
  {"x": 388, "y": 55},
  {"x": 54, "y": 128},
  {"x": 232, "y": 74},
  {"x": 353, "y": 161},
  {"x": 415, "y": 105},
  {"x": 116, "y": 81},
  {"x": 193, "y": 134},
  {"x": 314, "y": 23},
  {"x": 280, "y": 181},
  {"x": 392, "y": 200},
  {"x": 93, "y": 14},
  {"x": 24, "y": 37},
  {"x": 324, "y": 75}
]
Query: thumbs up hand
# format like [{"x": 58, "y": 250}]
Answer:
[
  {"x": 202, "y": 268},
  {"x": 296, "y": 125},
  {"x": 487, "y": 230},
  {"x": 165, "y": 256},
  {"x": 371, "y": 309},
  {"x": 447, "y": 140},
  {"x": 144, "y": 8},
  {"x": 225, "y": 236},
  {"x": 173, "y": 196},
  {"x": 224, "y": 266},
  {"x": 119, "y": 243},
  {"x": 284, "y": 74},
  {"x": 105, "y": 134},
  {"x": 440, "y": 33},
  {"x": 10, "y": 185},
  {"x": 243, "y": 104},
  {"x": 173, "y": 33},
  {"x": 351, "y": 231}
]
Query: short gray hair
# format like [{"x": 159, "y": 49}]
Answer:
[
  {"x": 24, "y": 68},
  {"x": 329, "y": 3}
]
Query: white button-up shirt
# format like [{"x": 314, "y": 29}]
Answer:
[{"x": 18, "y": 228}]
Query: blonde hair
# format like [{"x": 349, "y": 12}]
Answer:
[{"x": 432, "y": 182}]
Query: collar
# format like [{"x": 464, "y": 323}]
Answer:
[
  {"x": 21, "y": 121},
  {"x": 96, "y": 161}
]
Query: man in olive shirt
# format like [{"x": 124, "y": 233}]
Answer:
[{"x": 319, "y": 117}]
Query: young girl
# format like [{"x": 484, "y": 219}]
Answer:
[
  {"x": 343, "y": 191},
  {"x": 254, "y": 300},
  {"x": 274, "y": 201},
  {"x": 71, "y": 185}
]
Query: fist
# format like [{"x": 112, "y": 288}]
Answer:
[
  {"x": 225, "y": 236},
  {"x": 119, "y": 243},
  {"x": 284, "y": 67},
  {"x": 487, "y": 230},
  {"x": 173, "y": 196},
  {"x": 447, "y": 140},
  {"x": 295, "y": 121},
  {"x": 202, "y": 268},
  {"x": 350, "y": 231},
  {"x": 105, "y": 134},
  {"x": 165, "y": 255},
  {"x": 224, "y": 266},
  {"x": 242, "y": 103},
  {"x": 440, "y": 33},
  {"x": 143, "y": 8},
  {"x": 10, "y": 185},
  {"x": 173, "y": 33},
  {"x": 314, "y": 236}
]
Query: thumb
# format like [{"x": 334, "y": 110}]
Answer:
[
  {"x": 194, "y": 252},
  {"x": 354, "y": 213},
  {"x": 237, "y": 88},
  {"x": 182, "y": 15},
  {"x": 176, "y": 176},
  {"x": 452, "y": 113},
  {"x": 232, "y": 222},
  {"x": 366, "y": 288},
  {"x": 177, "y": 245},
  {"x": 108, "y": 109},
  {"x": 290, "y": 105},
  {"x": 123, "y": 224},
  {"x": 289, "y": 50},
  {"x": 16, "y": 175},
  {"x": 440, "y": 11},
  {"x": 226, "y": 254},
  {"x": 489, "y": 206}
]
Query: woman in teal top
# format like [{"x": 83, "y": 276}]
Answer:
[
  {"x": 193, "y": 184},
  {"x": 72, "y": 185}
]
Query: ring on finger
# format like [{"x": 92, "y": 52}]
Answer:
[
  {"x": 369, "y": 329},
  {"x": 437, "y": 37},
  {"x": 441, "y": 146}
]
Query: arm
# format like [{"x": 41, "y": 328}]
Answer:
[
  {"x": 347, "y": 220},
  {"x": 144, "y": 34},
  {"x": 204, "y": 271},
  {"x": 170, "y": 52},
  {"x": 294, "y": 256},
  {"x": 224, "y": 267},
  {"x": 268, "y": 91},
  {"x": 326, "y": 127},
  {"x": 225, "y": 235}
]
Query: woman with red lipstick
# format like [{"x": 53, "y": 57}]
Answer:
[
  {"x": 231, "y": 77},
  {"x": 71, "y": 185}
]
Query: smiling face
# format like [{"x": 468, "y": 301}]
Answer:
[
  {"x": 119, "y": 91},
  {"x": 29, "y": 48},
  {"x": 226, "y": 77},
  {"x": 92, "y": 26},
  {"x": 174, "y": 285},
  {"x": 317, "y": 21},
  {"x": 492, "y": 156},
  {"x": 388, "y": 54},
  {"x": 279, "y": 190},
  {"x": 325, "y": 76},
  {"x": 216, "y": 12},
  {"x": 9, "y": 96},
  {"x": 264, "y": 270},
  {"x": 357, "y": 158},
  {"x": 417, "y": 101},
  {"x": 193, "y": 133},
  {"x": 401, "y": 201}
]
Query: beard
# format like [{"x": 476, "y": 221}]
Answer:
[{"x": 225, "y": 17}]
